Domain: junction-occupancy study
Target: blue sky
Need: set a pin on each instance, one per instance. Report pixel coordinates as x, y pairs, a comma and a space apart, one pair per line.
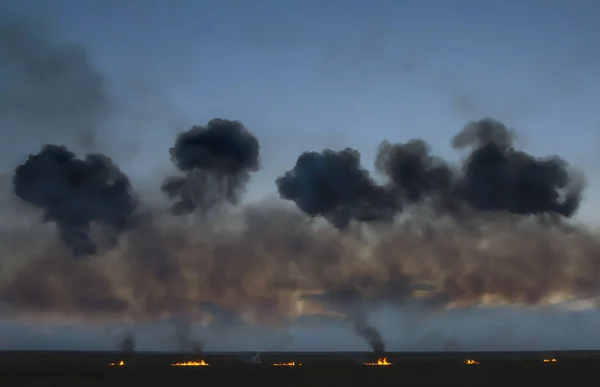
313, 74
305, 75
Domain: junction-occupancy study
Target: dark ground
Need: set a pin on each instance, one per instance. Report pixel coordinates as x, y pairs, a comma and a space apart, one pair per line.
83, 369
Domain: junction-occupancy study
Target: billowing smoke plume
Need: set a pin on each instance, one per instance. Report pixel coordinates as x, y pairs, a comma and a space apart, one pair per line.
334, 185
278, 265
76, 192
217, 160
414, 175
499, 178
494, 178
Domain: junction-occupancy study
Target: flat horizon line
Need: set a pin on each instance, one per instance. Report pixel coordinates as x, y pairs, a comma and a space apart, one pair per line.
141, 352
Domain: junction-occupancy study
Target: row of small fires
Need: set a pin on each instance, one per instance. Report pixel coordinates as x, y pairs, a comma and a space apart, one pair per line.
380, 362
202, 363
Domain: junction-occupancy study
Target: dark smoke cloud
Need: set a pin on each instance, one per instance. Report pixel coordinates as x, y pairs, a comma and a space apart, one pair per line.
74, 193
500, 178
334, 185
217, 160
48, 91
414, 175
494, 178
277, 265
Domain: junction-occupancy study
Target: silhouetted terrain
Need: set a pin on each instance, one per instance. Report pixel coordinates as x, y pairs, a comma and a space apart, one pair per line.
50, 368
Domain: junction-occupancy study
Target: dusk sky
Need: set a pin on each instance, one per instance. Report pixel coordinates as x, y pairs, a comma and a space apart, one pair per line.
309, 75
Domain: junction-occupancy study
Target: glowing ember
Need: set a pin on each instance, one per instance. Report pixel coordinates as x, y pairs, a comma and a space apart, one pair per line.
119, 364
200, 363
471, 362
553, 360
379, 362
287, 364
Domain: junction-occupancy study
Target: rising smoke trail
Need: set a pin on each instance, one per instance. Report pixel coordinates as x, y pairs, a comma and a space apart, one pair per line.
127, 343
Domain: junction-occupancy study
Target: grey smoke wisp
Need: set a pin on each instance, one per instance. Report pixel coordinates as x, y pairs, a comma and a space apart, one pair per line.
127, 343
49, 91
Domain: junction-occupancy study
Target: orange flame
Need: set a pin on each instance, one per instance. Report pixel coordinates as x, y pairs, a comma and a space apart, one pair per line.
380, 362
287, 364
553, 360
200, 363
119, 364
471, 362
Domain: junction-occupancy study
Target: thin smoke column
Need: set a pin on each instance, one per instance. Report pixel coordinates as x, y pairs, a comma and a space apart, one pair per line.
217, 160
183, 337
127, 343
371, 334
76, 192
355, 305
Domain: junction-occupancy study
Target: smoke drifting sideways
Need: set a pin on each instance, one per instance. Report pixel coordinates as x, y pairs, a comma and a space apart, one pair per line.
217, 160
495, 177
74, 193
280, 265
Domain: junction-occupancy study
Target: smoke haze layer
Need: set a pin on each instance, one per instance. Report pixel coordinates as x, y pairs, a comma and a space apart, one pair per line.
49, 91
424, 231
271, 264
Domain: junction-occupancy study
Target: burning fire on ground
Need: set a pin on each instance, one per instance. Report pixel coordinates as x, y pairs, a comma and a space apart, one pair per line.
119, 364
553, 360
379, 362
200, 363
471, 362
287, 364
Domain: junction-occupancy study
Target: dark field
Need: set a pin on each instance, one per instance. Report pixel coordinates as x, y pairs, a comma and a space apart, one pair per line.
318, 369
